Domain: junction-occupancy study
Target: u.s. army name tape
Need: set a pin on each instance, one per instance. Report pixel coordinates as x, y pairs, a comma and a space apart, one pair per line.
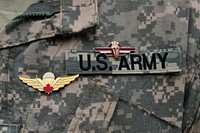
123, 60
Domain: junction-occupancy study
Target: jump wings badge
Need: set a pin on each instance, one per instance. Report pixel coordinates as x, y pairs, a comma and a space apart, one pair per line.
48, 83
114, 50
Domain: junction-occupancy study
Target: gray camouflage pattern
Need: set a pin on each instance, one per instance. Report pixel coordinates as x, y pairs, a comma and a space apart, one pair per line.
102, 103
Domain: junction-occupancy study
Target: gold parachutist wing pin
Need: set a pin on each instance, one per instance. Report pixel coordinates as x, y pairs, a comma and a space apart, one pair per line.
48, 83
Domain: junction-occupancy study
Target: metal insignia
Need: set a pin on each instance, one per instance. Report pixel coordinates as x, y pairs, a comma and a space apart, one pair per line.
48, 83
114, 50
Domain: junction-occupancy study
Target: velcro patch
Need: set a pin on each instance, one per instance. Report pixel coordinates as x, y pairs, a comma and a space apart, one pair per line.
128, 61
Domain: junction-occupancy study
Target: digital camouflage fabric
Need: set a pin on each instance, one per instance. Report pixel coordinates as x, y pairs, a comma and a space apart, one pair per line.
38, 41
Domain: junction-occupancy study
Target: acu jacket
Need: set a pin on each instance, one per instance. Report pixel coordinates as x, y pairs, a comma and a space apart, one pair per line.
130, 92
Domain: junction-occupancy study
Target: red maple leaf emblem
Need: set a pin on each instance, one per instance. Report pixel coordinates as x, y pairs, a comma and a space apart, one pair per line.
48, 89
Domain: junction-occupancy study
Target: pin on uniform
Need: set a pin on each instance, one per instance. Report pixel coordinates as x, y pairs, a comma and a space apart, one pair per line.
48, 83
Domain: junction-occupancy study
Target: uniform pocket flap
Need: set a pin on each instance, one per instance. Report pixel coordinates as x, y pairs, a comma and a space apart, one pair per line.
65, 19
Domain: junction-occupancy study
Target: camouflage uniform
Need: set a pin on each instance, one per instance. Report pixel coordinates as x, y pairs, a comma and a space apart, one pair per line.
37, 41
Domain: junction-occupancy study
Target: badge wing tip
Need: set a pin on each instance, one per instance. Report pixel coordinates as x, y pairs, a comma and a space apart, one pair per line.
35, 83
62, 81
